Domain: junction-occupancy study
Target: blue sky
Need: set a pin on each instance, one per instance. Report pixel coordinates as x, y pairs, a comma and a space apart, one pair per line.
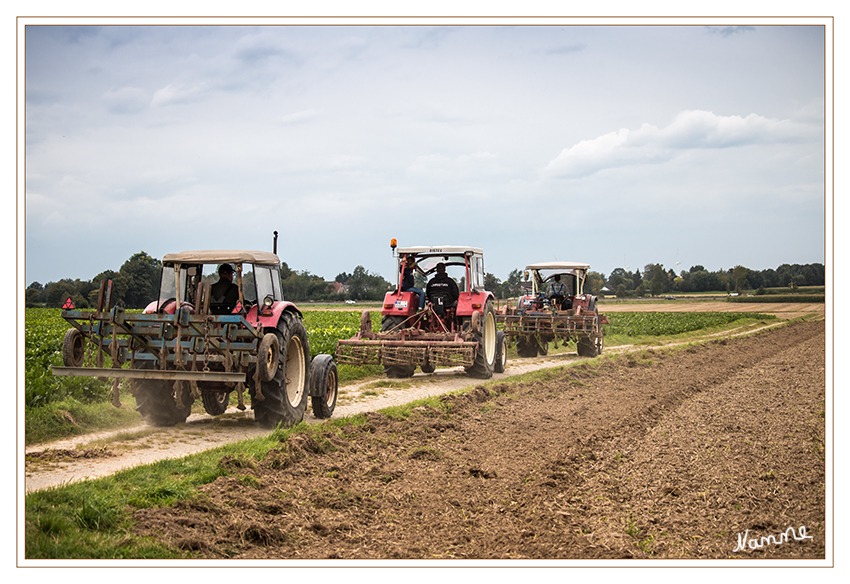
618, 146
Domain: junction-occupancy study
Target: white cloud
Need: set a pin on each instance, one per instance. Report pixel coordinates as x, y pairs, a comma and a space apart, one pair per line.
690, 130
176, 94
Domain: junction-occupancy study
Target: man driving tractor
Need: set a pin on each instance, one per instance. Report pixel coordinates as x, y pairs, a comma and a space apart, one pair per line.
442, 291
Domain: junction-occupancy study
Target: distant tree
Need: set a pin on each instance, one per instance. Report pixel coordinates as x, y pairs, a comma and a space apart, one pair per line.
657, 279
493, 284
34, 293
302, 285
342, 277
594, 283
739, 278
364, 285
620, 276
141, 276
58, 292
32, 297
621, 291
636, 279
513, 285
285, 272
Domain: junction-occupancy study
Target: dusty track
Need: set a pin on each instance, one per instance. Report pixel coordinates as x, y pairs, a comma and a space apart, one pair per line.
97, 455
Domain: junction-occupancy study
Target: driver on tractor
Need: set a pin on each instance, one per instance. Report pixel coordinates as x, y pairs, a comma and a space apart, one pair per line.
442, 291
224, 294
557, 292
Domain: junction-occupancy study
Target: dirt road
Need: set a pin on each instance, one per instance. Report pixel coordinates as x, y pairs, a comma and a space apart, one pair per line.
709, 451
97, 455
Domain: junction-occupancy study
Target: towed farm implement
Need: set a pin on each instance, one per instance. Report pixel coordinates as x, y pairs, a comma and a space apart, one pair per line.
554, 308
455, 326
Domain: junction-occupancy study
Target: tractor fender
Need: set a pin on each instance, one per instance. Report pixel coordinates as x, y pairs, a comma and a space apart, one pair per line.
399, 304
269, 317
470, 302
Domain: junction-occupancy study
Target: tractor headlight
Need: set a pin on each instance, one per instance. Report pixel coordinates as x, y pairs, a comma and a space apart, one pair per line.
268, 301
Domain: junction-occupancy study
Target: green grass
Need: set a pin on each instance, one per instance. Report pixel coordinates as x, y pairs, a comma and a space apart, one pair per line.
71, 417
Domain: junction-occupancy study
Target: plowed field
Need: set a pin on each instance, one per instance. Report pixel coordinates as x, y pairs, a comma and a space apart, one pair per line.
701, 451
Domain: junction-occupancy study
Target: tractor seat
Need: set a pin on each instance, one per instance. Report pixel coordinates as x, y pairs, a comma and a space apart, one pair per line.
442, 303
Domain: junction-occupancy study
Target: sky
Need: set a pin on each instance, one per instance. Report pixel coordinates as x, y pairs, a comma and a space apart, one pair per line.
618, 146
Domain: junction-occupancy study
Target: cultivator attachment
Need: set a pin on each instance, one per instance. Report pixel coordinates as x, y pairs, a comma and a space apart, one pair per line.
560, 326
184, 346
393, 350
406, 345
532, 331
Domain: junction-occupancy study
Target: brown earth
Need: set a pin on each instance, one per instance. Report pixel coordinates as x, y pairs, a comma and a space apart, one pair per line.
663, 453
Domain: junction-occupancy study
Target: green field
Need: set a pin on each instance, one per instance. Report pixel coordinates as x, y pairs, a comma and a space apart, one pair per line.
62, 406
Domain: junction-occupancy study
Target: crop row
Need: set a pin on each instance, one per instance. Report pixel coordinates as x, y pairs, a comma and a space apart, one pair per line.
639, 324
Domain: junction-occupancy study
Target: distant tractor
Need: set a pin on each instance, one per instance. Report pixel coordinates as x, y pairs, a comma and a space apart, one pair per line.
555, 307
447, 332
189, 344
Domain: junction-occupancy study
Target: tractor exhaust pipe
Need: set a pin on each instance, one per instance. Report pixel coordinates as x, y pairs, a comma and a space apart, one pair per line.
274, 248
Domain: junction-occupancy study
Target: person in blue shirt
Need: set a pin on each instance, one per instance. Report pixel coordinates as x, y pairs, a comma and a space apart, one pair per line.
407, 282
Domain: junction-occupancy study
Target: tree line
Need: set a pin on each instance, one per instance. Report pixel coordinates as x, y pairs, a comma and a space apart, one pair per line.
136, 283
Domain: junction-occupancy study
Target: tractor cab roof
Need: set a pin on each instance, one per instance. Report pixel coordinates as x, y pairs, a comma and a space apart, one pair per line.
440, 250
566, 266
221, 256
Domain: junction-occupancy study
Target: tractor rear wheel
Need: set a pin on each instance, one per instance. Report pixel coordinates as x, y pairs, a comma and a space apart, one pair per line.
324, 386
501, 352
157, 402
389, 323
485, 358
285, 395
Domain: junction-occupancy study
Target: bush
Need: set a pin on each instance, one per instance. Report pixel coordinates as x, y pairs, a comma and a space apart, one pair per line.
777, 298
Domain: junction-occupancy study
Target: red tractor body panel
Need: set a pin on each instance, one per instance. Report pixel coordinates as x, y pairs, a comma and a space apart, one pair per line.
269, 317
400, 303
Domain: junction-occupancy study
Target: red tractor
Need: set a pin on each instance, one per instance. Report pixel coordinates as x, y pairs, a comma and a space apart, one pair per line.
449, 330
191, 344
555, 307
